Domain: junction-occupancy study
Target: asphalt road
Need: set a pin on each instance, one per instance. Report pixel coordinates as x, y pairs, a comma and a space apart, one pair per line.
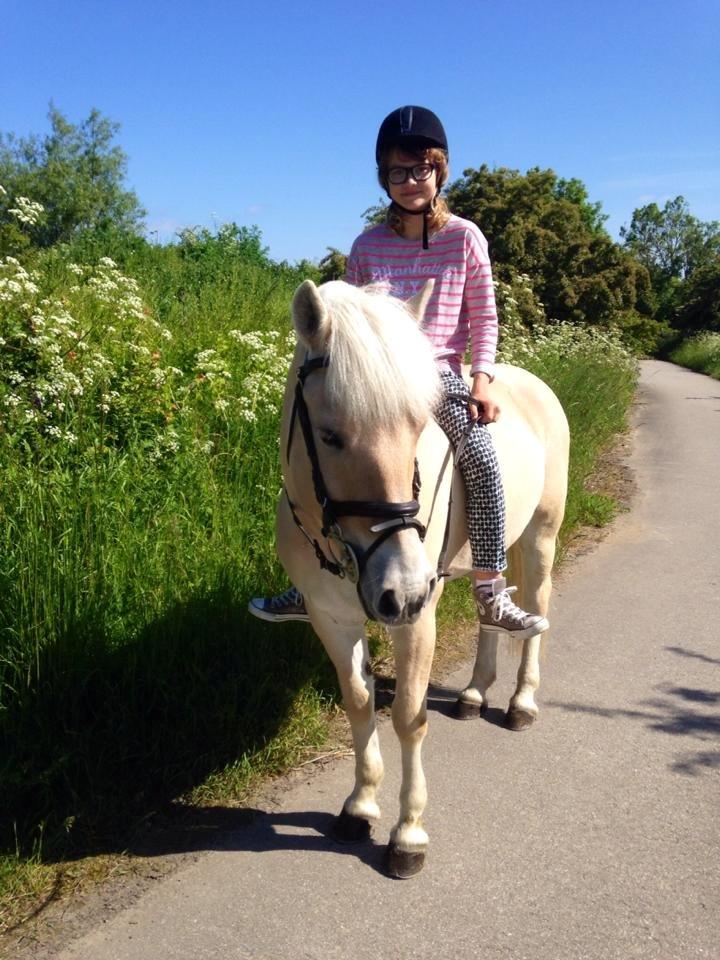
594, 836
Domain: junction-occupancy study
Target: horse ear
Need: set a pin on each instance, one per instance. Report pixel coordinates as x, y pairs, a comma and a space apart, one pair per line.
310, 316
417, 304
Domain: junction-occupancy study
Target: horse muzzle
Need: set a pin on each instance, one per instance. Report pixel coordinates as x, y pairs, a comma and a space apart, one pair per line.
394, 591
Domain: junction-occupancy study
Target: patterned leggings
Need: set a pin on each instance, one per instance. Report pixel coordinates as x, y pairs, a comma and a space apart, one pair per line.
481, 473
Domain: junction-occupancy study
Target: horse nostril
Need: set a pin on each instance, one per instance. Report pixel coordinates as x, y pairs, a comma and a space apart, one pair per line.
388, 605
431, 587
416, 606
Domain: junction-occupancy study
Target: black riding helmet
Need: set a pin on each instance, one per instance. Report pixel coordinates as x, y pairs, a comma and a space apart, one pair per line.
413, 127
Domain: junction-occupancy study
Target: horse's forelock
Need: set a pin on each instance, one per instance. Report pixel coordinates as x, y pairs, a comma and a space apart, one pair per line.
381, 365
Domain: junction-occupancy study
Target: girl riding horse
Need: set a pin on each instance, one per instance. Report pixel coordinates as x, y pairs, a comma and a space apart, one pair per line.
422, 240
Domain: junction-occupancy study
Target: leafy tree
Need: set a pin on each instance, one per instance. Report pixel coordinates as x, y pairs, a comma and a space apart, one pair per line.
229, 241
376, 214
575, 191
671, 242
700, 299
75, 172
547, 229
674, 245
332, 266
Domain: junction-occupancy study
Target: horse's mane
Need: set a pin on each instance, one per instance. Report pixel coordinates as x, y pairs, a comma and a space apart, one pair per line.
381, 365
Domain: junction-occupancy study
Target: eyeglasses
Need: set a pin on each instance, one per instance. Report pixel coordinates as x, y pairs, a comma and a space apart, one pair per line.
419, 172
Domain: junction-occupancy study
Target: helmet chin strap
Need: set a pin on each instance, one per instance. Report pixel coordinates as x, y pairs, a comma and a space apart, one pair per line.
417, 213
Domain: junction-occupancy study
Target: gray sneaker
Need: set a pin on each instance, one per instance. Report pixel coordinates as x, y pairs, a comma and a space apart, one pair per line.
496, 611
286, 606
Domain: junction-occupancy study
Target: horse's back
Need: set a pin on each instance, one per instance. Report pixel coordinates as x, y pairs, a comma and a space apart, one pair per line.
523, 394
531, 440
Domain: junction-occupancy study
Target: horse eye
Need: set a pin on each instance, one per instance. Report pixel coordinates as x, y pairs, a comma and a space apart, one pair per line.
331, 439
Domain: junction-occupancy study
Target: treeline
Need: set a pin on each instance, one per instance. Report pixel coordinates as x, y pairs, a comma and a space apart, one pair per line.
661, 282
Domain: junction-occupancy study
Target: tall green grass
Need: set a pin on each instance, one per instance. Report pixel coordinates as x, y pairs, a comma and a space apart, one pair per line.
700, 353
136, 518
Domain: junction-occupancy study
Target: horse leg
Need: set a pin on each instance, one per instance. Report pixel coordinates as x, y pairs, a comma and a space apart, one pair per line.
532, 566
347, 647
472, 702
414, 647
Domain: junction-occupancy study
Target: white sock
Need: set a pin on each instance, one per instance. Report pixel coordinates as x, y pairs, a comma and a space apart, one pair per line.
486, 586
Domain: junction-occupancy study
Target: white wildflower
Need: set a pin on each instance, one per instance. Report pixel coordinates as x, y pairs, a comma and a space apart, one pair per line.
27, 211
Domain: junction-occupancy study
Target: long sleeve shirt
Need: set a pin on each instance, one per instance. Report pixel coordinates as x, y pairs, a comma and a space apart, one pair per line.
462, 305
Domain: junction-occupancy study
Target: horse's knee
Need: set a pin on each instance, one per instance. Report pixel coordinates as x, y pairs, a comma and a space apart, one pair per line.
357, 696
357, 708
409, 725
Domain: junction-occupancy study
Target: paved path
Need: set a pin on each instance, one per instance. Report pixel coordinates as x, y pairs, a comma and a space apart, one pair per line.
592, 837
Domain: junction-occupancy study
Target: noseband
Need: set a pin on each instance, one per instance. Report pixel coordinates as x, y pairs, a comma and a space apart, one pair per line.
349, 560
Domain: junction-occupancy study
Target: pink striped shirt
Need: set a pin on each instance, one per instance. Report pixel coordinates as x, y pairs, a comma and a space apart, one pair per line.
463, 300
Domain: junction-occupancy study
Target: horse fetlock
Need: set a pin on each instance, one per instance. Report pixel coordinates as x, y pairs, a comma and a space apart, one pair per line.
362, 806
524, 702
350, 829
471, 695
470, 705
409, 838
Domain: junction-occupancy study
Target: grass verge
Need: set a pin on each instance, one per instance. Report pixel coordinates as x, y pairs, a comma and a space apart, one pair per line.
700, 353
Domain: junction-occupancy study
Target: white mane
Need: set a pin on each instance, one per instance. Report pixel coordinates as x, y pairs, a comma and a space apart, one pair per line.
381, 365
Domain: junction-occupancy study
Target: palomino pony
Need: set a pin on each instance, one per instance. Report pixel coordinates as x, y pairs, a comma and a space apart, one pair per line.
360, 538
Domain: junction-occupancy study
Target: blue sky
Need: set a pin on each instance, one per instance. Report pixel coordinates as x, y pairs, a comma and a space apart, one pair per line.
266, 113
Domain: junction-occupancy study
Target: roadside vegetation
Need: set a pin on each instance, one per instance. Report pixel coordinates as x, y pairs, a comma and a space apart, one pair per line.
700, 353
139, 399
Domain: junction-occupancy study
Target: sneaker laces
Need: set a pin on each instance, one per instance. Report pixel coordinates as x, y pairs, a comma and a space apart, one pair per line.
291, 598
502, 606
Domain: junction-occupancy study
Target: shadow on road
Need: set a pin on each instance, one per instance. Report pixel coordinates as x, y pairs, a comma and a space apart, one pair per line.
192, 829
678, 711
681, 652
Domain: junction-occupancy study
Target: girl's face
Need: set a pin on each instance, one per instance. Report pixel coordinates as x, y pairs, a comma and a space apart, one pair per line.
413, 194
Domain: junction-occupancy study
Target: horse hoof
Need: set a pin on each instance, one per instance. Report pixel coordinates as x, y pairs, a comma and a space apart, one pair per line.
519, 720
464, 710
401, 864
350, 829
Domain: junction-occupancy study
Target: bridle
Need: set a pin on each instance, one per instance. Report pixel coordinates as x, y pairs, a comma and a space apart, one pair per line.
347, 560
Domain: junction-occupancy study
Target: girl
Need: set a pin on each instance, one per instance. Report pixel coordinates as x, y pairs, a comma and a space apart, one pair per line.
422, 239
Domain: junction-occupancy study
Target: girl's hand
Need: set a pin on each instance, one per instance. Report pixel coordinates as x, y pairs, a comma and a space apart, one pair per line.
482, 391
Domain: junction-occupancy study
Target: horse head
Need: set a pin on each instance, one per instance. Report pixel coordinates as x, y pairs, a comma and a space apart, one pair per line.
367, 383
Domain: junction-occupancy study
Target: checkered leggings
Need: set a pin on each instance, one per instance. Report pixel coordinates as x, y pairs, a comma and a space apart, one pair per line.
481, 473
